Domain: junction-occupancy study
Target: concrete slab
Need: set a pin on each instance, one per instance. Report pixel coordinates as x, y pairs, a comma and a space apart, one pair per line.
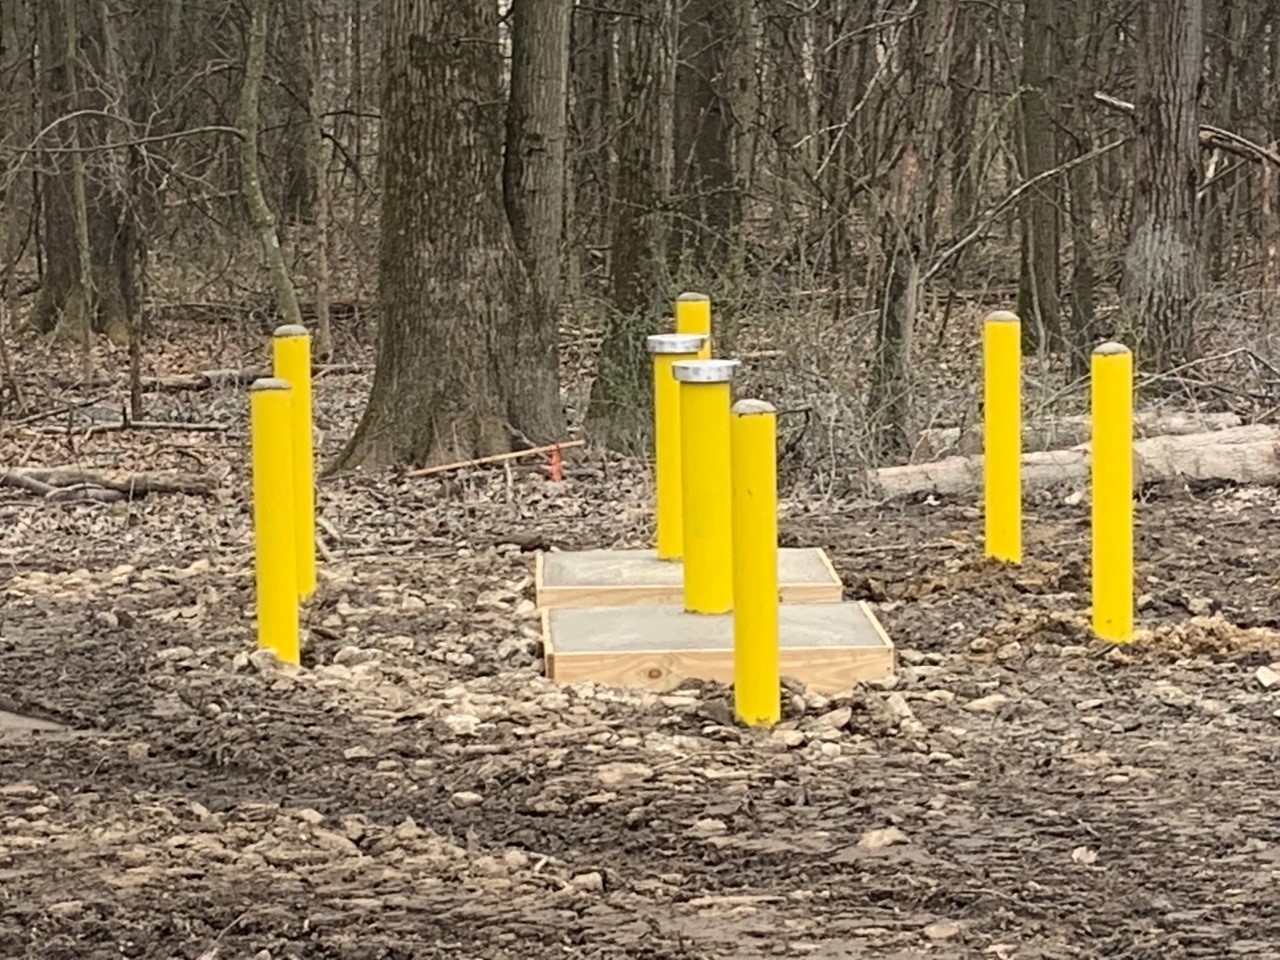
623, 578
829, 646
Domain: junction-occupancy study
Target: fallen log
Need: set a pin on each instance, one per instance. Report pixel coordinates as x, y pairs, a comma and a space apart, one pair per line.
1247, 454
223, 379
48, 480
1070, 431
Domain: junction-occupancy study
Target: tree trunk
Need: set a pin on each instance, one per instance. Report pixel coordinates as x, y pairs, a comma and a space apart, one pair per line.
1077, 24
299, 164
534, 193
74, 296
703, 184
451, 286
1160, 284
260, 215
1038, 285
618, 414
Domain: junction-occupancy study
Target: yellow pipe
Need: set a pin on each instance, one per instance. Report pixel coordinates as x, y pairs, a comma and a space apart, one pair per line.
668, 350
271, 417
705, 396
693, 316
1002, 433
757, 699
1112, 402
292, 348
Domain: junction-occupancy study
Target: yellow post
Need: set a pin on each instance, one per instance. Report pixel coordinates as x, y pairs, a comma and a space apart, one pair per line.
693, 316
293, 364
1112, 401
1002, 435
271, 418
667, 350
757, 698
705, 397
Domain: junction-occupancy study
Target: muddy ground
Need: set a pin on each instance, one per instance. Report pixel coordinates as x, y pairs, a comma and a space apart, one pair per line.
419, 790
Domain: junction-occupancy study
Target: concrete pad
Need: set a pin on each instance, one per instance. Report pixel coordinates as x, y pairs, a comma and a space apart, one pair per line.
623, 578
829, 646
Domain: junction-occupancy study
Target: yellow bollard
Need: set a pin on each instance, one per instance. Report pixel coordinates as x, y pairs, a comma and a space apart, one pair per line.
1112, 402
693, 316
757, 698
271, 416
667, 350
1002, 435
292, 348
705, 397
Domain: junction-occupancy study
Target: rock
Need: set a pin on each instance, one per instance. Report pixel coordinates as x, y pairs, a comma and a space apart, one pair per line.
1199, 606
307, 815
1090, 704
462, 724
1268, 676
988, 704
138, 751
357, 753
836, 719
264, 661
516, 859
466, 798
592, 882
899, 709
709, 826
349, 656
623, 774
983, 645
1084, 855
66, 909
789, 738
412, 604
1009, 651
912, 657
879, 839
408, 829
944, 930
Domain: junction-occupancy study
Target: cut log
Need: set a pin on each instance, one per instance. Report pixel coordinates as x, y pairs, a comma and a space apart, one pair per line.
1070, 431
1247, 454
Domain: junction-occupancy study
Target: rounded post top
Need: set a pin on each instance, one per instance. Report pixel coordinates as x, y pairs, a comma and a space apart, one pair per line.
753, 408
706, 371
269, 383
675, 343
1002, 316
1110, 349
291, 330
689, 297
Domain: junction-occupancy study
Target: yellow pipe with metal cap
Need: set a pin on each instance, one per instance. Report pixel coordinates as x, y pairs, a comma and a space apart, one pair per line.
271, 424
1112, 406
693, 316
667, 350
1002, 435
292, 350
757, 697
705, 398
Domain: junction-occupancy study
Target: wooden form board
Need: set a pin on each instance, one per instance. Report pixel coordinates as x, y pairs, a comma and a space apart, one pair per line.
623, 578
829, 647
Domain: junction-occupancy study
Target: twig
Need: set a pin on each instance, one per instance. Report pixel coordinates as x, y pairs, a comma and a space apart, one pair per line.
1210, 136
140, 425
66, 408
495, 458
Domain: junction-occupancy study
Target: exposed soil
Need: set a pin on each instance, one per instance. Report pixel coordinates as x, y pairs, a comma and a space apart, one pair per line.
419, 790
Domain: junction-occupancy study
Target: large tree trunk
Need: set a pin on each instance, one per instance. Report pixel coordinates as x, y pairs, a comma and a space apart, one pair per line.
1038, 286
534, 191
620, 397
451, 286
1160, 285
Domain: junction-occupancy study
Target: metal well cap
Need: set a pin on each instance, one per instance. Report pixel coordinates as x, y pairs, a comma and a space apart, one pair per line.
1003, 316
1110, 349
689, 296
675, 343
706, 371
752, 408
291, 330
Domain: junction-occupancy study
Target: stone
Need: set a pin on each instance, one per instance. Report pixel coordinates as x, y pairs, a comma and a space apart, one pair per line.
623, 774
983, 645
899, 709
879, 839
709, 826
988, 704
264, 660
789, 738
1268, 676
836, 719
357, 753
592, 882
944, 930
466, 798
1009, 651
349, 656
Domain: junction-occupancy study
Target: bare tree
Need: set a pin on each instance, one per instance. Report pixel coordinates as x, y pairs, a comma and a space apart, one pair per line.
1160, 284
